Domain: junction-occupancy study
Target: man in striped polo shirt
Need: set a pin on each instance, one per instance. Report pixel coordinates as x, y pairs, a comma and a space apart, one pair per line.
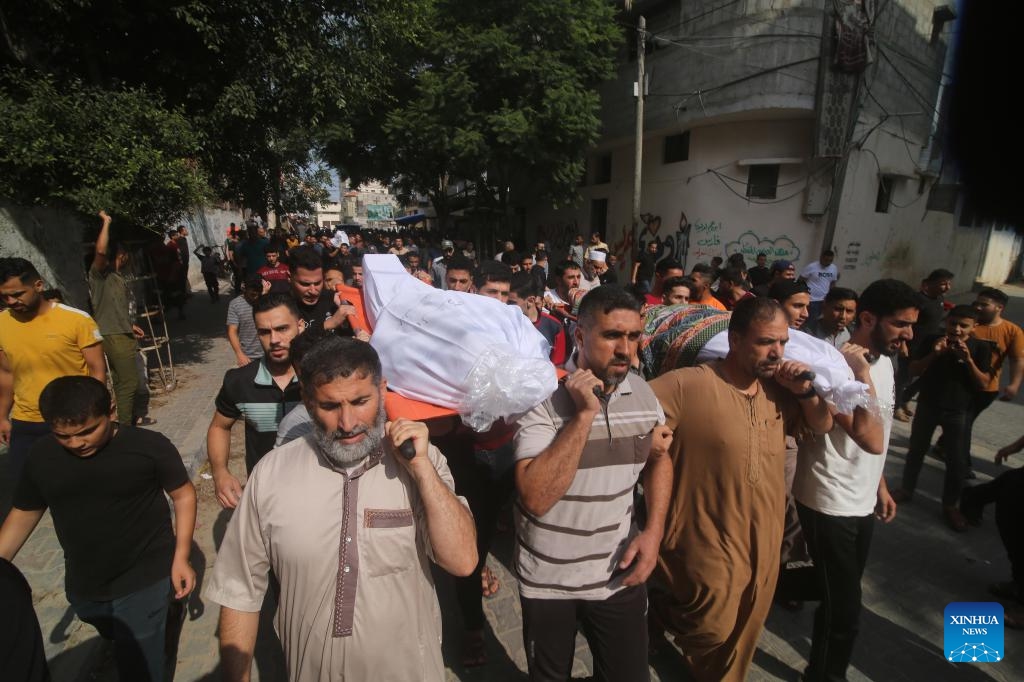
260, 393
580, 553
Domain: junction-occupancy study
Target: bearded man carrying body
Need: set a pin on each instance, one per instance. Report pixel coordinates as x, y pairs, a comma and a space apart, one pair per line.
344, 491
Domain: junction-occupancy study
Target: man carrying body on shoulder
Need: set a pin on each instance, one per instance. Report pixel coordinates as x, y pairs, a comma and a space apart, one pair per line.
665, 269
839, 485
525, 293
579, 456
701, 276
260, 393
104, 485
731, 287
39, 341
346, 494
317, 307
719, 560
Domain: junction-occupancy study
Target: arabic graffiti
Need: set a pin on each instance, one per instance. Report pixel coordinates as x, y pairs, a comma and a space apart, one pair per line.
674, 246
750, 244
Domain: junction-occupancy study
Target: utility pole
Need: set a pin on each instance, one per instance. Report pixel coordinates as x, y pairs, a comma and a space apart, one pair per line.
638, 146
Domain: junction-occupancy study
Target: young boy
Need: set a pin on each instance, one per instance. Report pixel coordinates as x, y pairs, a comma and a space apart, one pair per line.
953, 369
526, 294
210, 266
104, 484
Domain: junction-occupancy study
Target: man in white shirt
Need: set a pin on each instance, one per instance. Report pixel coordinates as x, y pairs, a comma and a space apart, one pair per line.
839, 487
820, 276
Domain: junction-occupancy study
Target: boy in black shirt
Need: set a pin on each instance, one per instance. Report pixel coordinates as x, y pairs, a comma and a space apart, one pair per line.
953, 368
104, 483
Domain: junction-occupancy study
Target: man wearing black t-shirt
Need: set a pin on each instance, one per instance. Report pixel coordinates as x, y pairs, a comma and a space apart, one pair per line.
104, 485
643, 268
953, 369
317, 306
259, 393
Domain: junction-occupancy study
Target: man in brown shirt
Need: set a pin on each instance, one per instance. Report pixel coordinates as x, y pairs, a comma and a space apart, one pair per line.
720, 555
344, 491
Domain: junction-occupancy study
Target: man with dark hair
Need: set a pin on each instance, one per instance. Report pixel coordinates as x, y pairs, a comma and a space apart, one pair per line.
525, 293
113, 303
297, 423
274, 271
317, 307
780, 270
792, 295
260, 393
492, 279
39, 341
104, 485
720, 558
820, 276
931, 303
459, 275
759, 274
840, 485
643, 267
837, 314
667, 268
731, 287
1007, 341
676, 291
252, 251
953, 368
439, 266
379, 517
560, 299
241, 330
596, 434
702, 275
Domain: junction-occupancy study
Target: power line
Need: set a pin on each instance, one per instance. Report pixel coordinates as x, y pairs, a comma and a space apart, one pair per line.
698, 16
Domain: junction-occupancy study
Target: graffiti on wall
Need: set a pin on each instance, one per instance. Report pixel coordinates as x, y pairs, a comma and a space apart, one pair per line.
672, 245
750, 244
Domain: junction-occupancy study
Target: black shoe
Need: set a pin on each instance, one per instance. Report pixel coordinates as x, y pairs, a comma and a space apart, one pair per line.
970, 475
971, 510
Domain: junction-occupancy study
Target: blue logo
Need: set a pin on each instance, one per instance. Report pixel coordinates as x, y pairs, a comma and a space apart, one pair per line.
974, 632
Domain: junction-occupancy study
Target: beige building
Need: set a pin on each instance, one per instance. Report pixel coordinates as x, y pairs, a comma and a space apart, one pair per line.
754, 141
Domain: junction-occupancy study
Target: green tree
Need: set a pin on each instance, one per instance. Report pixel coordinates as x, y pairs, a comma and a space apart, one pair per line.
500, 94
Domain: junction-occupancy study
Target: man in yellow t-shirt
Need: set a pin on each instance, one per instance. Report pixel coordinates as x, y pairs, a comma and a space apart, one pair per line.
39, 341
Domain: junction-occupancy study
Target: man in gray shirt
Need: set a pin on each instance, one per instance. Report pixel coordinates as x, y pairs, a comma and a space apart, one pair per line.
241, 328
837, 313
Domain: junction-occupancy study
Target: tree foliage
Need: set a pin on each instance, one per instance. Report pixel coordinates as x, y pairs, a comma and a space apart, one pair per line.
261, 83
499, 93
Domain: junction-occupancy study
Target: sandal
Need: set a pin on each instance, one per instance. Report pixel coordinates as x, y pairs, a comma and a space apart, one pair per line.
474, 650
489, 583
145, 421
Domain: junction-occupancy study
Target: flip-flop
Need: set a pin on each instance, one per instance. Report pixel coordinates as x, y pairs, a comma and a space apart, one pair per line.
489, 583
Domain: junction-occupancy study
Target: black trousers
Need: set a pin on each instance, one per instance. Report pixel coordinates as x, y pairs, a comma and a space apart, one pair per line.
212, 285
839, 546
486, 489
956, 436
1007, 493
616, 630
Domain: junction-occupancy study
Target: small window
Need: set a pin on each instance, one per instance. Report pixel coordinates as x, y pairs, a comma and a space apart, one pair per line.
603, 169
677, 147
884, 198
763, 181
598, 215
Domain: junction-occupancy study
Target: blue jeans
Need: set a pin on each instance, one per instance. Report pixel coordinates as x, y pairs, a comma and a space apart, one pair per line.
137, 624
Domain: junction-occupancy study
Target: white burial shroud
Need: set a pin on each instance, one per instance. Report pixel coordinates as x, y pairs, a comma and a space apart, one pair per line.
833, 378
463, 351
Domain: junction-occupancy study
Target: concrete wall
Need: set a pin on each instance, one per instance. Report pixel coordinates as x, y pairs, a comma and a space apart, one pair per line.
696, 214
207, 226
52, 241
1002, 256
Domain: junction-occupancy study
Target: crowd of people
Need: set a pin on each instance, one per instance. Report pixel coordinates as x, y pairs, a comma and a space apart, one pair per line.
675, 507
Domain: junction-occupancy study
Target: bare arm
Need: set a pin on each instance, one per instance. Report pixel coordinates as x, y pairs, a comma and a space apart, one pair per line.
183, 578
632, 275
100, 260
815, 409
237, 643
862, 426
218, 448
1016, 376
95, 361
449, 524
6, 397
17, 528
543, 480
236, 346
1014, 447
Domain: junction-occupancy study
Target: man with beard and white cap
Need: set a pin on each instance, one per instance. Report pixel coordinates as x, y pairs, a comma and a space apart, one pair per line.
346, 491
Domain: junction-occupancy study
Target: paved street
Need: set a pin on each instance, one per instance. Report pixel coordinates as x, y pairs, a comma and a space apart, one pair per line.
917, 565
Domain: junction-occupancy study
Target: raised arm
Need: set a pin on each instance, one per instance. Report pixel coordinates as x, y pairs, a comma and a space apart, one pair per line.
100, 260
